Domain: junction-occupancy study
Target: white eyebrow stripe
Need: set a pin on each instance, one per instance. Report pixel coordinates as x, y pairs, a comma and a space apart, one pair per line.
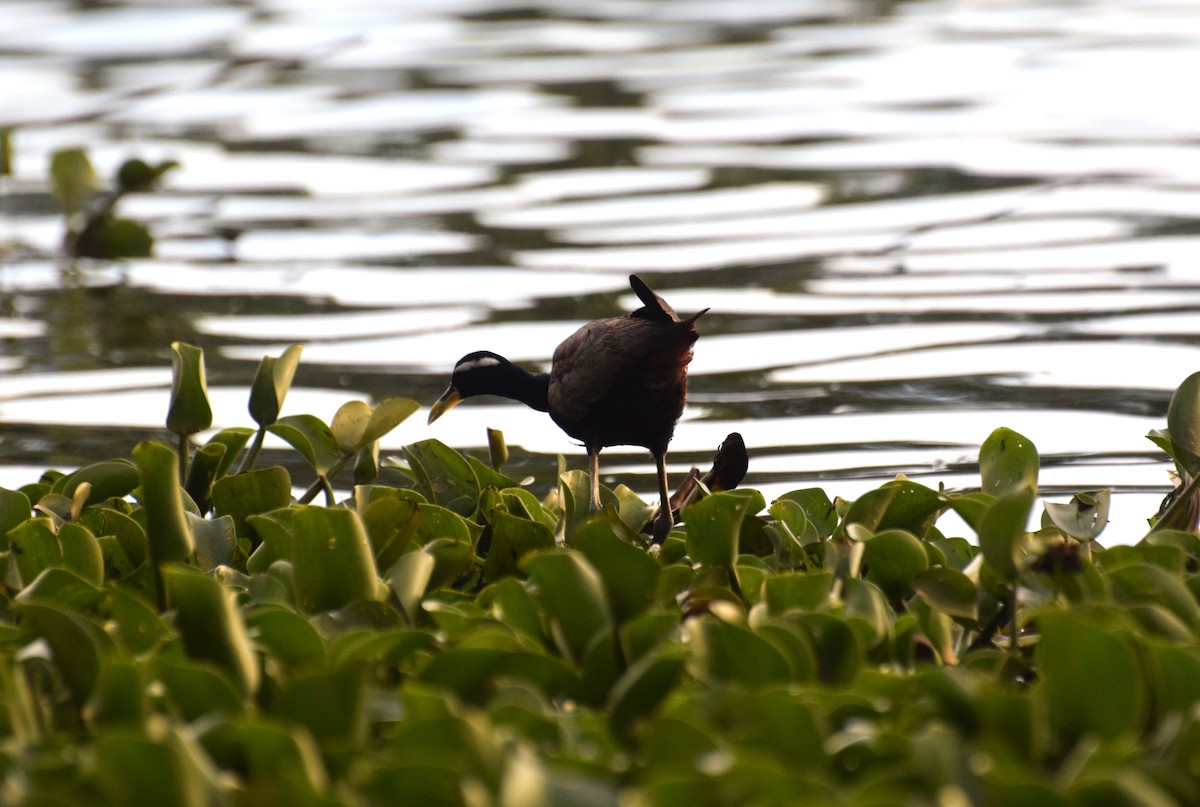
486, 361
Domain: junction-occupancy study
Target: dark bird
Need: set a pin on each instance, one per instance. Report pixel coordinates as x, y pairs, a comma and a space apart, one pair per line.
614, 382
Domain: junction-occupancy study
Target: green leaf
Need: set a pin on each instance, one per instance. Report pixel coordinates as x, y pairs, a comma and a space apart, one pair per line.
349, 425
387, 415
251, 493
894, 558
136, 175
107, 238
1084, 517
289, 637
210, 626
724, 653
62, 587
949, 591
81, 552
799, 592
216, 541
409, 580
1144, 582
1091, 679
311, 437
1183, 424
629, 574
572, 594
78, 645
443, 476
109, 479
72, 178
1002, 533
34, 547
135, 768
713, 526
169, 536
332, 559
1008, 462
190, 410
15, 508
139, 627
512, 539
497, 449
818, 509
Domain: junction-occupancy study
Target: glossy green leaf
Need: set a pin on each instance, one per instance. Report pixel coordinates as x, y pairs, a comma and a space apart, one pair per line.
34, 547
443, 476
949, 591
713, 528
387, 415
391, 524
210, 626
311, 437
349, 424
1008, 463
111, 478
190, 411
64, 588
1002, 533
893, 558
81, 552
1183, 423
332, 559
818, 510
512, 539
15, 508
1084, 517
168, 534
251, 493
272, 380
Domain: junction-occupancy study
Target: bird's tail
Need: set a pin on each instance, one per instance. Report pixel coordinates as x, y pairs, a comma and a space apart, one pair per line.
655, 307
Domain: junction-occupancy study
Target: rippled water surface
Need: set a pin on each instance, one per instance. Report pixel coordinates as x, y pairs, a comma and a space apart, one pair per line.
913, 221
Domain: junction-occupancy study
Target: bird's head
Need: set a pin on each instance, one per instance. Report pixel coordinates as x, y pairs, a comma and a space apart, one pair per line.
478, 373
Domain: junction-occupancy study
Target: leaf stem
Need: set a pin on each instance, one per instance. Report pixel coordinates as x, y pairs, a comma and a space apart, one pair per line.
252, 452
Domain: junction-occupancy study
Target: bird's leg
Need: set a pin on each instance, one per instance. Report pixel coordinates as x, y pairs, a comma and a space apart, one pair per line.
662, 526
594, 458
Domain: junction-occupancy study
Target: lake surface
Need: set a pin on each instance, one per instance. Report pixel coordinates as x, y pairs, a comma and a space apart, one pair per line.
913, 222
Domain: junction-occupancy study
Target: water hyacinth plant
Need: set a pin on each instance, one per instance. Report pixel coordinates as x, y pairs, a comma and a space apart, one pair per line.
177, 628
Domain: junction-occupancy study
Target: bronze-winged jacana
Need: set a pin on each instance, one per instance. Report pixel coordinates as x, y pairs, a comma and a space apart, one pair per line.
620, 381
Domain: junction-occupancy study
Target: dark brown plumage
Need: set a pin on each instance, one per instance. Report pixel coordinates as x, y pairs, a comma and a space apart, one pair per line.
615, 381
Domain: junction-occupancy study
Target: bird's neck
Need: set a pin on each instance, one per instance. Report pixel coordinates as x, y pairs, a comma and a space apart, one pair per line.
528, 388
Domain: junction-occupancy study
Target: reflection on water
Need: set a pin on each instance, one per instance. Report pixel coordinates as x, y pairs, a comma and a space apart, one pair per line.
913, 222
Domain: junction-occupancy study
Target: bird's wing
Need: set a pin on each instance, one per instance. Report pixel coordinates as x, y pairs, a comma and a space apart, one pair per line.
597, 357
